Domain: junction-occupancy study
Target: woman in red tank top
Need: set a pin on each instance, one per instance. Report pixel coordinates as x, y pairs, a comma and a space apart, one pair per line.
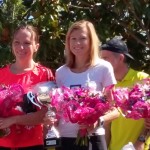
26, 131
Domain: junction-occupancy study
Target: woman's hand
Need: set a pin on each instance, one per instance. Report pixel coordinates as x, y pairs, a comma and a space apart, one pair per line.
89, 128
7, 122
49, 121
108, 92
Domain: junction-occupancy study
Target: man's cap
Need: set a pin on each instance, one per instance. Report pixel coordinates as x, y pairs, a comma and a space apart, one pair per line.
118, 46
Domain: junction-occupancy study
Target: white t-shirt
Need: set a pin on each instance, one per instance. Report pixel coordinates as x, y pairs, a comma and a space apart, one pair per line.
101, 74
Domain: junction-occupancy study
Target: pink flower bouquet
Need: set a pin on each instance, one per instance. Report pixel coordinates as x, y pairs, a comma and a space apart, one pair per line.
10, 100
79, 105
134, 102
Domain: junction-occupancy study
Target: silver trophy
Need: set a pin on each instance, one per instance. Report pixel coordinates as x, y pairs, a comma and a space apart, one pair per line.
40, 97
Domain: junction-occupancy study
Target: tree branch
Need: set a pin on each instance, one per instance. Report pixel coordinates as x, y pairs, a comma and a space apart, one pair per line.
133, 35
28, 10
79, 7
145, 28
86, 5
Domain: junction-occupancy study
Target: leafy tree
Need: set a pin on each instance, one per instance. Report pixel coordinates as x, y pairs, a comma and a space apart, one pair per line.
8, 20
129, 19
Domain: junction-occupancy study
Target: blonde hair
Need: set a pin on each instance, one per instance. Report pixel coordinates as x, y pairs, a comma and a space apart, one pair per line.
94, 42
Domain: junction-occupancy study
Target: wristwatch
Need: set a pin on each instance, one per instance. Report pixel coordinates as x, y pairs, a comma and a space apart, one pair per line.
141, 138
101, 121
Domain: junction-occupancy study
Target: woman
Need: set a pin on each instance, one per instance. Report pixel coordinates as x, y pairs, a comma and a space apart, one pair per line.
25, 130
83, 66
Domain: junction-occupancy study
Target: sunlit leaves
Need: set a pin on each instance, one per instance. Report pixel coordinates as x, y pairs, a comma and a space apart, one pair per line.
128, 18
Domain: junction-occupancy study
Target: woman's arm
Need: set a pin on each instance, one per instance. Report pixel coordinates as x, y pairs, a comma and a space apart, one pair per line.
111, 115
27, 119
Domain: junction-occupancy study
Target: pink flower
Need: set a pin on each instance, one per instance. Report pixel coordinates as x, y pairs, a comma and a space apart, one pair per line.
10, 103
134, 101
10, 98
80, 105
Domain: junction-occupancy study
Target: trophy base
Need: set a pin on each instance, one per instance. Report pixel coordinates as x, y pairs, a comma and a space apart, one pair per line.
52, 142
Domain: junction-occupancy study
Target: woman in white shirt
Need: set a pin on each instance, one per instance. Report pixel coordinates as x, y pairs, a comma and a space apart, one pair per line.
83, 65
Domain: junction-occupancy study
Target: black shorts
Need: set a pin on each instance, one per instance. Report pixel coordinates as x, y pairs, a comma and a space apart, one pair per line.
70, 144
98, 142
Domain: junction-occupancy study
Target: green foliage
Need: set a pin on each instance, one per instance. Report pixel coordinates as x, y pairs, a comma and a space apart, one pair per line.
129, 19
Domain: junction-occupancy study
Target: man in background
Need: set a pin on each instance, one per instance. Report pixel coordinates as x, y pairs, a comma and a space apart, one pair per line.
123, 130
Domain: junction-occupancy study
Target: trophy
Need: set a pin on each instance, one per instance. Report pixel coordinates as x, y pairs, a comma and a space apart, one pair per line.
40, 97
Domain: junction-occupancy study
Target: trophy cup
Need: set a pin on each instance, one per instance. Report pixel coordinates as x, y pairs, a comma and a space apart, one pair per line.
41, 94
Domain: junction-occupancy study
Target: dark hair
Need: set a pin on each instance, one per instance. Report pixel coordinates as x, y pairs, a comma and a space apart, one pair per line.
31, 29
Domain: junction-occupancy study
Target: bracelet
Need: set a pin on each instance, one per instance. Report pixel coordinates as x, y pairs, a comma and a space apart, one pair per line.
142, 138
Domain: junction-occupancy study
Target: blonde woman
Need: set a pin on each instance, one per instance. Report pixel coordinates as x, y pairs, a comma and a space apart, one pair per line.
83, 66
